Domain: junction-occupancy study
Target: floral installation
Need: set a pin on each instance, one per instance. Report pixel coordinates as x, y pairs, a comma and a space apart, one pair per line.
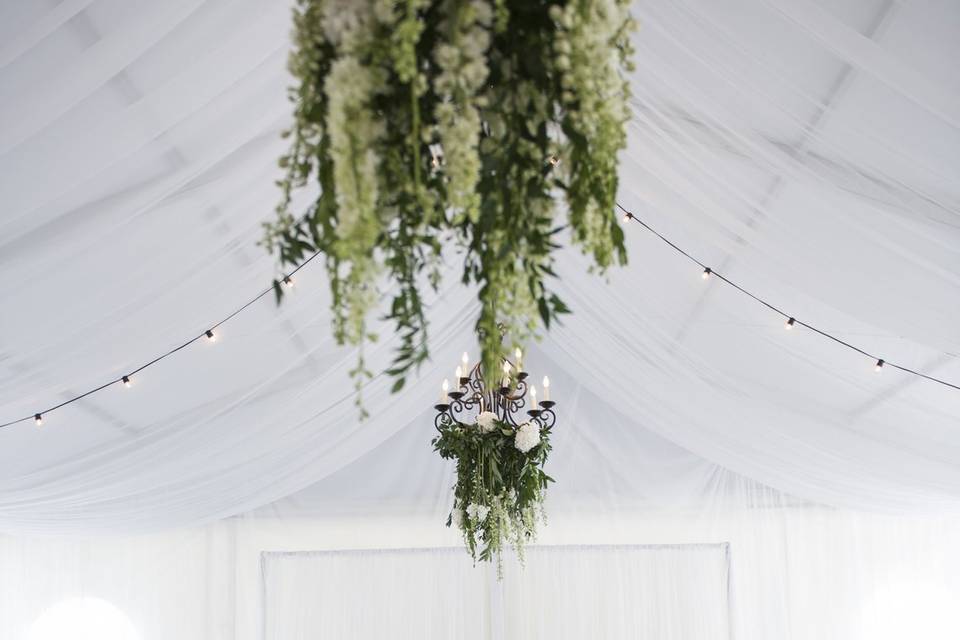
498, 496
485, 125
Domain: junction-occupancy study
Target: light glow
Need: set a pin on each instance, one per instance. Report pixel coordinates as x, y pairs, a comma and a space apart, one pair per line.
82, 619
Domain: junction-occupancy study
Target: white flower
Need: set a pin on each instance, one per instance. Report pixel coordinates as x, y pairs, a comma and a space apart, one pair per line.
487, 421
456, 517
528, 436
477, 512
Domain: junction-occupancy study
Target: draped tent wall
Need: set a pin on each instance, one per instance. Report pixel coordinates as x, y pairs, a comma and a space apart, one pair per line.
807, 150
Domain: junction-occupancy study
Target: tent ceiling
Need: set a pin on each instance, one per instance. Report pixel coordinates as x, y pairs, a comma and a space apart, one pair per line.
807, 150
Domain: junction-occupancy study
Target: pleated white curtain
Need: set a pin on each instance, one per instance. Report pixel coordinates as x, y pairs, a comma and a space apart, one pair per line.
766, 568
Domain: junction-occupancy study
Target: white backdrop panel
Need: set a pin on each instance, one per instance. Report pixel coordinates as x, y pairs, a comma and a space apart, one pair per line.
669, 592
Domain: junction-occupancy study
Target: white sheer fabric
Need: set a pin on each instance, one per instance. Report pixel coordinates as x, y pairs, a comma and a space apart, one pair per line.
797, 572
804, 150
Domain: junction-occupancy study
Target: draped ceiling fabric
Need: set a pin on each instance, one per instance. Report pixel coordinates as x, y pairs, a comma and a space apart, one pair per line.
807, 150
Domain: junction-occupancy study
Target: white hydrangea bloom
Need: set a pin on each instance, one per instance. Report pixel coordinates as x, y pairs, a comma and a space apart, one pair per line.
487, 421
527, 437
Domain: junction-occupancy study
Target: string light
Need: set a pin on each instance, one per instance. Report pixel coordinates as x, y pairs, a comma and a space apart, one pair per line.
627, 216
791, 321
209, 334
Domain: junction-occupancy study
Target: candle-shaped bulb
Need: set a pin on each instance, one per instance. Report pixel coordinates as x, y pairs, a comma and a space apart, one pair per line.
533, 396
459, 374
444, 388
546, 388
517, 352
465, 359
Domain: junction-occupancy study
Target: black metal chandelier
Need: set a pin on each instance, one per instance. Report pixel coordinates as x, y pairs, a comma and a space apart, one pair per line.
507, 398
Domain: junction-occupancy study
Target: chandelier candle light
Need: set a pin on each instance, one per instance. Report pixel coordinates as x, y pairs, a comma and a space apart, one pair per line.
500, 443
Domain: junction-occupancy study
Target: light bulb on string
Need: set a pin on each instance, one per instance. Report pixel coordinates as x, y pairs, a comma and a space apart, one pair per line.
211, 336
706, 273
38, 419
879, 366
626, 216
790, 323
126, 381
288, 281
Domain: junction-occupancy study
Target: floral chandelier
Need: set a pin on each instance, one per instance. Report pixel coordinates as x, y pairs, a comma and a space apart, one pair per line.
506, 399
499, 435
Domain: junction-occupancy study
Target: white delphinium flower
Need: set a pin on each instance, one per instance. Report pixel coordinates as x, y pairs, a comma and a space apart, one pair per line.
527, 437
463, 70
456, 517
477, 512
487, 421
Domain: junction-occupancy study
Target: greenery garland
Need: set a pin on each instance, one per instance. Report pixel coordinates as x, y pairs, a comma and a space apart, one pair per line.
467, 122
500, 485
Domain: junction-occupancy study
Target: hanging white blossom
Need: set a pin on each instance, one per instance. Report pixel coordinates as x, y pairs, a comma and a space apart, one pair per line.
477, 512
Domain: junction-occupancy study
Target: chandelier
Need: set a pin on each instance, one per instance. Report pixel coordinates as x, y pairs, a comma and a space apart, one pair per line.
505, 395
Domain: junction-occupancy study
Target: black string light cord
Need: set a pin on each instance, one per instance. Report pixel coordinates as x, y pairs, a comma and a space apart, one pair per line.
791, 321
207, 333
628, 216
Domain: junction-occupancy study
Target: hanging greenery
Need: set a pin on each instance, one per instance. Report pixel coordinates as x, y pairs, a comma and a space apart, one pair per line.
500, 485
453, 122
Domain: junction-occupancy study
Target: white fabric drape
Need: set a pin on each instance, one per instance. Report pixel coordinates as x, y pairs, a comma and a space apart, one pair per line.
806, 152
797, 572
